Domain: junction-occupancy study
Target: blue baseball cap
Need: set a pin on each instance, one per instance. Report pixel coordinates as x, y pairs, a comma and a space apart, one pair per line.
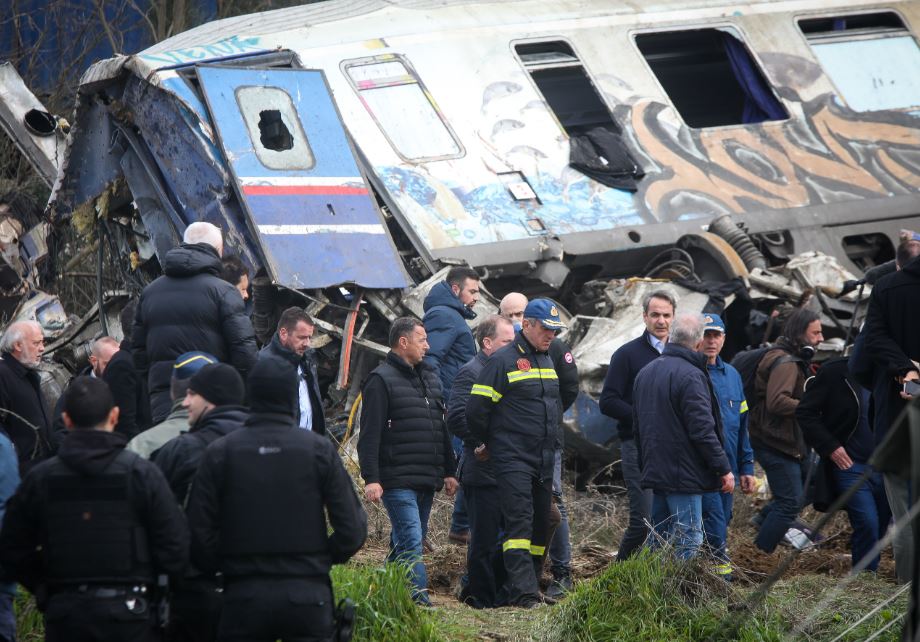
714, 322
189, 363
546, 312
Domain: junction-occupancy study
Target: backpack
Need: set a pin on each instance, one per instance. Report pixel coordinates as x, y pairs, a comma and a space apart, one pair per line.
747, 363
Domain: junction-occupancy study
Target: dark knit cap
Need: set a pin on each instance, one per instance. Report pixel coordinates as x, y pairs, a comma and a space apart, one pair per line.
273, 387
220, 384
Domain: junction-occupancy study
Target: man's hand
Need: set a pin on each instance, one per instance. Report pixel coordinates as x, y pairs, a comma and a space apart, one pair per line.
373, 492
841, 459
481, 453
748, 484
450, 486
728, 483
913, 375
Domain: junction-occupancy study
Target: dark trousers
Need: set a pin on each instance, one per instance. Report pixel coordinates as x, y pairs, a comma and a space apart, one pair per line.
265, 609
868, 511
484, 565
525, 503
194, 611
640, 501
784, 474
82, 617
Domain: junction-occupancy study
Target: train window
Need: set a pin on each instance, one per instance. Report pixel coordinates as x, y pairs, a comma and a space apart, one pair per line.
274, 128
402, 107
734, 89
597, 147
856, 53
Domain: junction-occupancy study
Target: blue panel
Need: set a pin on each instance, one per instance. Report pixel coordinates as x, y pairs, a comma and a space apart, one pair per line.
306, 198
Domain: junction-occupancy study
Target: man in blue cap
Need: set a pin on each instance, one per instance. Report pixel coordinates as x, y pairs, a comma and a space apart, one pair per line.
514, 410
729, 391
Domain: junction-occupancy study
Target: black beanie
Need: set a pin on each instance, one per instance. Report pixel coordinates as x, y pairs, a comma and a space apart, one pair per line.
273, 387
220, 384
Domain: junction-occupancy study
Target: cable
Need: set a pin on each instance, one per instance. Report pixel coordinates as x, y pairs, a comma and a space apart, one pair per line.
885, 628
872, 612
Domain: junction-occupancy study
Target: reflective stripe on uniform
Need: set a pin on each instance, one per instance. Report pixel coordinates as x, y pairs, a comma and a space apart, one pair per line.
516, 544
534, 373
744, 406
486, 391
537, 550
722, 569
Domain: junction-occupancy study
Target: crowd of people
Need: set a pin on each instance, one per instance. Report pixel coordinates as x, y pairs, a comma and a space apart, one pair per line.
184, 485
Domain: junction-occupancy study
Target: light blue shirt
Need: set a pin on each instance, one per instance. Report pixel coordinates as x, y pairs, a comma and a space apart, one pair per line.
306, 412
656, 343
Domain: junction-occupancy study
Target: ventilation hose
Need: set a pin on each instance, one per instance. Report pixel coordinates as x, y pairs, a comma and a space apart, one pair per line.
739, 240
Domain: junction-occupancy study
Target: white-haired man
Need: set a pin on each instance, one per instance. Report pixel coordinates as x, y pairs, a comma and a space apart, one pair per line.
24, 414
190, 308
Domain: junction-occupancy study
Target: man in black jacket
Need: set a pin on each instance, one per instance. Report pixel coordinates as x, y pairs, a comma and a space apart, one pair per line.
291, 345
617, 401
114, 364
23, 411
833, 416
89, 530
404, 447
189, 308
676, 421
258, 514
514, 409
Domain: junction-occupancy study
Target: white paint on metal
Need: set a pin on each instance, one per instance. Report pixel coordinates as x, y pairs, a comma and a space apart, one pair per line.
303, 230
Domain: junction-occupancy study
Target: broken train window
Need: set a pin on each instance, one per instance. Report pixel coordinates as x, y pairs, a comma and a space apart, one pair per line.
597, 148
872, 59
274, 128
402, 107
710, 77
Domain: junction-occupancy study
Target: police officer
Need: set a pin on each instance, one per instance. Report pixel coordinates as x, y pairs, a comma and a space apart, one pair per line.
514, 410
89, 530
258, 514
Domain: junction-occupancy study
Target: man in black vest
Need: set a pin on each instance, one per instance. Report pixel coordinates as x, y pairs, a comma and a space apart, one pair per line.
212, 401
404, 448
258, 514
89, 530
291, 345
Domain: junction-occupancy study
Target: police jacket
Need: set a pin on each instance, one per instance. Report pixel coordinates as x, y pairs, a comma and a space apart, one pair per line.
258, 501
179, 457
472, 471
94, 514
514, 408
733, 408
189, 308
404, 441
20, 393
307, 370
677, 424
450, 340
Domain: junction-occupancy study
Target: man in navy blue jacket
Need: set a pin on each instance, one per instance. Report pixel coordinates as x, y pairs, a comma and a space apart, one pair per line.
617, 401
678, 428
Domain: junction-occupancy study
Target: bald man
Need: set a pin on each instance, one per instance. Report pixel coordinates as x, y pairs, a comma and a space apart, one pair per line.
560, 551
28, 422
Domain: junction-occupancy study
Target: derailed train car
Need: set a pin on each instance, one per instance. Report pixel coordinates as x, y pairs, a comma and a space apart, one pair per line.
353, 149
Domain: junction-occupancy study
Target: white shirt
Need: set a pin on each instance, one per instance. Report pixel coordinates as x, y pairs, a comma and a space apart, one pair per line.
306, 412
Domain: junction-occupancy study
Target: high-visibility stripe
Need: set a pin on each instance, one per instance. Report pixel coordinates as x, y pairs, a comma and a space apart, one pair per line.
516, 544
197, 357
486, 391
537, 550
722, 569
535, 373
744, 406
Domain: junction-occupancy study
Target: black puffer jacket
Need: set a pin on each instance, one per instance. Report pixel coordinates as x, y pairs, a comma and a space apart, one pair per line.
189, 308
404, 442
179, 457
677, 424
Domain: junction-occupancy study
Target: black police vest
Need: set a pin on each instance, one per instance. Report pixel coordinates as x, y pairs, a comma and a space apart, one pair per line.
93, 533
272, 502
413, 442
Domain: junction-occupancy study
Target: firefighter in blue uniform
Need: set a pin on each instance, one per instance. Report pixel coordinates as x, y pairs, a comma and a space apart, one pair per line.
514, 410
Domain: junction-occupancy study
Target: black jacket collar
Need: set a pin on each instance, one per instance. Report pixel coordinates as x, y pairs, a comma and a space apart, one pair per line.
698, 359
398, 362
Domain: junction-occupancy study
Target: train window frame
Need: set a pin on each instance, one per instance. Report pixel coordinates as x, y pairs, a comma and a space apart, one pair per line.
739, 34
813, 38
259, 100
410, 78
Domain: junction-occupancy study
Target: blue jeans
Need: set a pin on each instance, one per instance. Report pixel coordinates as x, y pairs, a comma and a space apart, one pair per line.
459, 520
560, 549
640, 501
867, 509
678, 518
717, 514
784, 474
7, 617
408, 510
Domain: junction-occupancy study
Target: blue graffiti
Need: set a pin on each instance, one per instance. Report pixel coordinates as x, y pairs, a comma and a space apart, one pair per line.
228, 47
